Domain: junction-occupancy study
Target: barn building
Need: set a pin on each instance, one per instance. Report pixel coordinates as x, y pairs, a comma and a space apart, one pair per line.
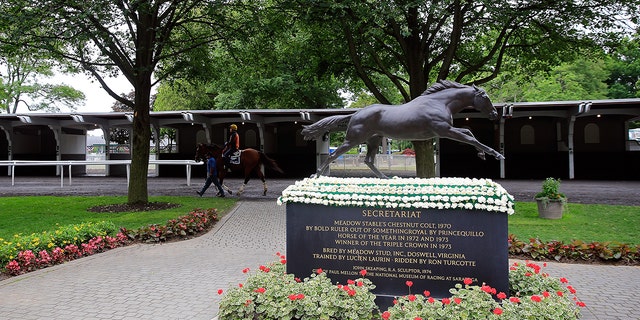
567, 139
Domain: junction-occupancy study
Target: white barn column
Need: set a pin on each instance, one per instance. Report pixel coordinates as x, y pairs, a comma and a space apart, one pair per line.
502, 162
155, 127
106, 132
436, 154
322, 152
572, 121
9, 135
260, 126
57, 131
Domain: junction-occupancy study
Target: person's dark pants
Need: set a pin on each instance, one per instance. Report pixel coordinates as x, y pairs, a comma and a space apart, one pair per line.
208, 182
227, 156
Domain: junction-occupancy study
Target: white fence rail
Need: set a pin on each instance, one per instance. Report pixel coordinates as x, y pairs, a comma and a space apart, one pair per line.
12, 164
392, 162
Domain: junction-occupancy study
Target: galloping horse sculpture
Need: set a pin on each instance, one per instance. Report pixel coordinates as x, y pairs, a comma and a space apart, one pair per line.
425, 117
250, 162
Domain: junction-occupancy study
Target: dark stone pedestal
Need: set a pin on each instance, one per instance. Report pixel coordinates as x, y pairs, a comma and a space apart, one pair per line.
434, 249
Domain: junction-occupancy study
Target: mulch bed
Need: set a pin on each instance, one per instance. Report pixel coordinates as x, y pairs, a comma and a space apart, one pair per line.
125, 207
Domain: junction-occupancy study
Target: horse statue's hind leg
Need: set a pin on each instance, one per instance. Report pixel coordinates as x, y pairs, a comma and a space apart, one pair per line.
372, 148
346, 146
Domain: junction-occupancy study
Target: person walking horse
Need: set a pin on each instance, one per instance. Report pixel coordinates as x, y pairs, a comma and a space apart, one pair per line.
232, 146
212, 176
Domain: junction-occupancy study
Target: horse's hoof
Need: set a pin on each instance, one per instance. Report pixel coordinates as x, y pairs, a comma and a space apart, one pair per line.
264, 194
230, 192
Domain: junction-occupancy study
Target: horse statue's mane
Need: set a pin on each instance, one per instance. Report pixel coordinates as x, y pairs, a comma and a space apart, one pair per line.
442, 85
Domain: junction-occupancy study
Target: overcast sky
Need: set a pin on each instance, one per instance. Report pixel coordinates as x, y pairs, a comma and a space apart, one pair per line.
96, 98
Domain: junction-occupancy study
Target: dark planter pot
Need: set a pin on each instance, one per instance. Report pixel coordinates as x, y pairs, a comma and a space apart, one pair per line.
550, 209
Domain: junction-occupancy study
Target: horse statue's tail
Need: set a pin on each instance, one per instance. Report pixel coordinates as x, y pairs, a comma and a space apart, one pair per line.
269, 163
329, 124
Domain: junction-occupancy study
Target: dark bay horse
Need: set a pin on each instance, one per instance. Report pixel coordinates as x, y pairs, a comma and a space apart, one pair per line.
251, 161
428, 116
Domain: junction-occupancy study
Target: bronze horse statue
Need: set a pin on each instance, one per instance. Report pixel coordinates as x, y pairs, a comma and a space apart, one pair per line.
428, 116
251, 161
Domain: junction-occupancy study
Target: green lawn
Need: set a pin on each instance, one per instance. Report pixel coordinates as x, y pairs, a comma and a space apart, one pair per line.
579, 222
27, 215
588, 223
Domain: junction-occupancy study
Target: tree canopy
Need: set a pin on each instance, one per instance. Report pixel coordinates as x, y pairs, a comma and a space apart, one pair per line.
413, 43
624, 81
106, 37
23, 81
271, 61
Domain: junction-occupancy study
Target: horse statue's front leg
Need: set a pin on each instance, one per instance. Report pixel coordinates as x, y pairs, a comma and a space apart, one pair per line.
264, 185
481, 154
465, 136
370, 158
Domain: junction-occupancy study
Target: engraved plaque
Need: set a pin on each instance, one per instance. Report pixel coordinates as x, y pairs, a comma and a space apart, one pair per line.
434, 249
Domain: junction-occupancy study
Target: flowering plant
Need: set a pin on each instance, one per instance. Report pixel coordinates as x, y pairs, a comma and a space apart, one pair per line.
195, 222
273, 294
433, 193
575, 250
27, 260
551, 190
75, 234
36, 251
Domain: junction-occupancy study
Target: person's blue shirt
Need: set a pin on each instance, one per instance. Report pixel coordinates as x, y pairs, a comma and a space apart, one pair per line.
211, 163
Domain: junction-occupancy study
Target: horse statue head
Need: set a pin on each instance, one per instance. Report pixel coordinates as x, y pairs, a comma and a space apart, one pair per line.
482, 103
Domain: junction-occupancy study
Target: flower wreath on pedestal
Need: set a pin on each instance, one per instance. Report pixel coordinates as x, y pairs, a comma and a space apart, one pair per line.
433, 193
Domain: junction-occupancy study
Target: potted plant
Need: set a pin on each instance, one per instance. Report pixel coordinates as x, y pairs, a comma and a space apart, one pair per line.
551, 202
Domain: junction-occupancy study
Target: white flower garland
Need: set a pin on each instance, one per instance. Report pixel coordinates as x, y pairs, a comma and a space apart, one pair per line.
401, 193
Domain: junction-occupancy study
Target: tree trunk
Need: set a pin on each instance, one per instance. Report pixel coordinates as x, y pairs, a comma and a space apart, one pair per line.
141, 135
143, 69
425, 164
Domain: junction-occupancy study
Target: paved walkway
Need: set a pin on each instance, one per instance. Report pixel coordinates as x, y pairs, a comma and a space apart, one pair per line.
177, 280
180, 280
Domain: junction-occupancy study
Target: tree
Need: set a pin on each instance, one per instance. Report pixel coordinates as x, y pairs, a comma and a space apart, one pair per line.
123, 136
271, 61
106, 37
412, 43
120, 135
624, 65
22, 76
581, 79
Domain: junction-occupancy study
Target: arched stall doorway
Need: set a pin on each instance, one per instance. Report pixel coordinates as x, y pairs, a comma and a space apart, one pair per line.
536, 148
603, 149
